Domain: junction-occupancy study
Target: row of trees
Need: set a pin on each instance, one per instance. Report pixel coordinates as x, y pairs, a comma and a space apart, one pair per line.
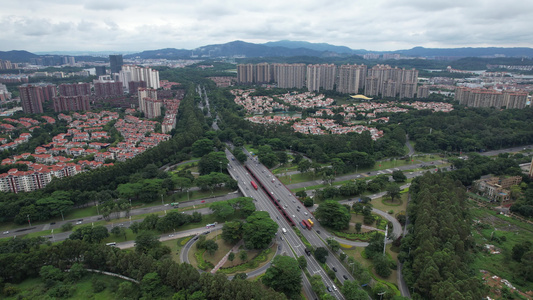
436, 253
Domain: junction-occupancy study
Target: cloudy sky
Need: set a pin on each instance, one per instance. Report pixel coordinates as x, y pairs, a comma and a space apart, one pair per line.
135, 25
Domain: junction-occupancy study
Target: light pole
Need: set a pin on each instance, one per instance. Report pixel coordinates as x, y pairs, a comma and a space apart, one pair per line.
220, 165
97, 210
356, 168
162, 203
53, 238
62, 216
29, 221
188, 195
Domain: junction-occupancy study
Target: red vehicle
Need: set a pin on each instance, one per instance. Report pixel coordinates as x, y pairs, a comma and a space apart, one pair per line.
306, 223
254, 185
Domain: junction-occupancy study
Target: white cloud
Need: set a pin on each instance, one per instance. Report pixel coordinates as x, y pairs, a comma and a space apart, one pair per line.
137, 25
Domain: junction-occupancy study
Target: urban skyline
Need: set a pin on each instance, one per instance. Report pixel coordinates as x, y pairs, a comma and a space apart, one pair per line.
381, 25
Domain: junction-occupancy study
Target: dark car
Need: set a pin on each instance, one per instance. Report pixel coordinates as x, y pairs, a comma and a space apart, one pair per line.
318, 231
334, 269
345, 277
328, 288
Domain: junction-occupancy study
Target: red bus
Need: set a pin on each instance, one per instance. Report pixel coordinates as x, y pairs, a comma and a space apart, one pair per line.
306, 223
254, 185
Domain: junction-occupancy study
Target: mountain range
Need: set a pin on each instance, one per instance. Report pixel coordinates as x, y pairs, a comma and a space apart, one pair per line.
293, 48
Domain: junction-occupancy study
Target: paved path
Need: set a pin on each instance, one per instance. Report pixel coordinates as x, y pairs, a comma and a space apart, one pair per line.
225, 258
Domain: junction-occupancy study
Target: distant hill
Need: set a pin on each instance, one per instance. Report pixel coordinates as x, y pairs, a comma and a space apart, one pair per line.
467, 52
17, 56
235, 48
314, 46
293, 49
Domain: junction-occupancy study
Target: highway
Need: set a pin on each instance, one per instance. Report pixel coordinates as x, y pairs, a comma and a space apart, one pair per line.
289, 239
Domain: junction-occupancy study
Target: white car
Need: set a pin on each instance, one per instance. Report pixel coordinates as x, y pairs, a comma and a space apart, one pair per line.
6, 232
294, 216
305, 213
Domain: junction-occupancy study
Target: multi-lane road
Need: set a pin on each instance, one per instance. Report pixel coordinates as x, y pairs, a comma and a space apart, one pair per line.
289, 240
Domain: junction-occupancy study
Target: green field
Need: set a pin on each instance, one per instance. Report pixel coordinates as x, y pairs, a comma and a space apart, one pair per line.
491, 228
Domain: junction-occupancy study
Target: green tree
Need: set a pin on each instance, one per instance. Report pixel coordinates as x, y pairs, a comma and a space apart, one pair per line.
332, 214
211, 247
317, 285
51, 275
202, 147
302, 262
284, 276
145, 241
304, 166
222, 210
358, 226
321, 254
90, 234
232, 231
381, 266
393, 191
333, 244
399, 176
259, 230
151, 286
231, 257
243, 255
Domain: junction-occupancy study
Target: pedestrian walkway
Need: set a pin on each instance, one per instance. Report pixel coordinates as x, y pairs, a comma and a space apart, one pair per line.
225, 258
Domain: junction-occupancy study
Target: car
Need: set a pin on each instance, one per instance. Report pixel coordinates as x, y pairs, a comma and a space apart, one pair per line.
281, 238
298, 206
305, 213
170, 235
78, 223
334, 269
368, 173
298, 210
53, 223
293, 216
6, 232
195, 239
334, 287
345, 277
328, 288
318, 231
203, 201
293, 201
166, 204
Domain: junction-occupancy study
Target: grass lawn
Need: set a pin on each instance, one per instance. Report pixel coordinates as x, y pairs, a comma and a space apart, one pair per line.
385, 205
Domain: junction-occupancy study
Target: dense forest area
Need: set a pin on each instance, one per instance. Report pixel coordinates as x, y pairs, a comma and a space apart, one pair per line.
467, 129
161, 278
436, 253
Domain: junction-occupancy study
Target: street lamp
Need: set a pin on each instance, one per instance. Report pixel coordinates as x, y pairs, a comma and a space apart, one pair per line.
62, 216
356, 168
29, 221
162, 203
220, 165
188, 195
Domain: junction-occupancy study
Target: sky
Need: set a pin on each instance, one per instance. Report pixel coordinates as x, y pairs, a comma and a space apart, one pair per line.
381, 25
